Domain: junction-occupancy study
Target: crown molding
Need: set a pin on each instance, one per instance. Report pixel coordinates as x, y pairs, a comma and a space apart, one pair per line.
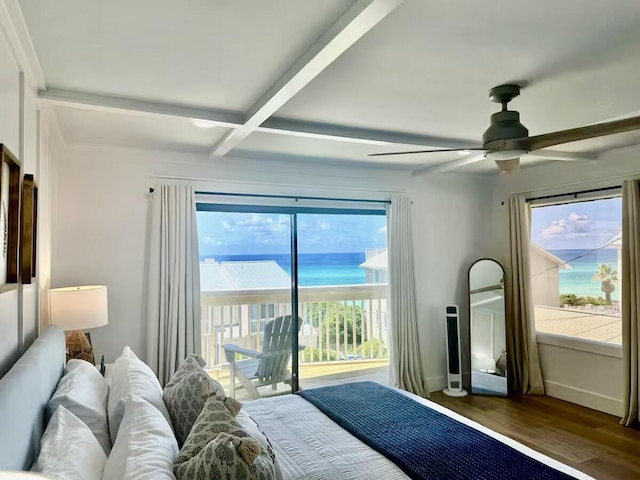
14, 29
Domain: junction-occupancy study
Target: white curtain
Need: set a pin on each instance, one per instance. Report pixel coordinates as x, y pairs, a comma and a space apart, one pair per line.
173, 314
406, 365
524, 363
631, 299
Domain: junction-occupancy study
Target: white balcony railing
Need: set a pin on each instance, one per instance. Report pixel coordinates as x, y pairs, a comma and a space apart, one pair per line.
339, 322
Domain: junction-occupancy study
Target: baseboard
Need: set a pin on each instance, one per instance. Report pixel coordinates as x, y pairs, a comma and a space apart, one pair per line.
595, 401
435, 384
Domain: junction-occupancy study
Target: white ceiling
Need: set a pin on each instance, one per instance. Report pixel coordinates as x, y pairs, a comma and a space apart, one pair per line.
418, 77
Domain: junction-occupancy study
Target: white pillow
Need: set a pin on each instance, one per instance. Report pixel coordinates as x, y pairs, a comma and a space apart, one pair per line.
127, 352
146, 446
84, 392
68, 449
131, 375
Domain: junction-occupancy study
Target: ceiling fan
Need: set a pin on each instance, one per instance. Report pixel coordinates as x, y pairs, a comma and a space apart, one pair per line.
506, 139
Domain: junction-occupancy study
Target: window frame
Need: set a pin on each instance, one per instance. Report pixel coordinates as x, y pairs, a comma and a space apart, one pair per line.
338, 208
566, 341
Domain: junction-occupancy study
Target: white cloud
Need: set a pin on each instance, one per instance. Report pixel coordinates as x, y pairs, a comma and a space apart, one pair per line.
574, 217
574, 226
323, 224
211, 241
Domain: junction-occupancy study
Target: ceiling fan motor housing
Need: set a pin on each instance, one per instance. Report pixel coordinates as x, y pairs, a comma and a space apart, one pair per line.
505, 125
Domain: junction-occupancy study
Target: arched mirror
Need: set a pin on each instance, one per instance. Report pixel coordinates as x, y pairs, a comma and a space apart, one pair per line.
488, 338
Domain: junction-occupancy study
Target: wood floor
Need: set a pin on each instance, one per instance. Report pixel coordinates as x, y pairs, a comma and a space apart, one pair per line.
590, 441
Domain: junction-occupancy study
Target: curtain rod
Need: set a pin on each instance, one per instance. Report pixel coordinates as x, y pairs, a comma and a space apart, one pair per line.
574, 194
291, 197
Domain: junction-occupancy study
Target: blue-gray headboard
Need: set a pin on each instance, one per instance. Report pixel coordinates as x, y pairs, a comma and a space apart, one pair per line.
24, 393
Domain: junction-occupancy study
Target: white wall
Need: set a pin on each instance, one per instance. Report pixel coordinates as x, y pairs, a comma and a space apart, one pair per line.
34, 140
100, 234
451, 230
590, 379
586, 374
9, 136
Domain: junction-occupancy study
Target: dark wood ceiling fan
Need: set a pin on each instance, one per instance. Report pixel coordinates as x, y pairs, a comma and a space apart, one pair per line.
506, 139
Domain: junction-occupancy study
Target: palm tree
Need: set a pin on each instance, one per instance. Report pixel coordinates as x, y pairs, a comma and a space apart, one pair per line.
609, 278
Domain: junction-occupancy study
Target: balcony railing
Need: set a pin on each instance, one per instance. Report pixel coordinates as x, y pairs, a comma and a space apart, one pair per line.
339, 322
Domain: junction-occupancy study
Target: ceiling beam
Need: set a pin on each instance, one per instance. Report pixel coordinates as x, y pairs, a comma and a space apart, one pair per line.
231, 119
92, 101
350, 27
358, 135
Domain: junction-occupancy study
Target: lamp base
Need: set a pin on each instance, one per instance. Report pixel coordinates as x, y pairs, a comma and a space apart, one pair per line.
79, 346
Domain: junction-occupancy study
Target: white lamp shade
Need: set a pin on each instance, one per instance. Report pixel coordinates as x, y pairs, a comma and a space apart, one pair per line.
77, 308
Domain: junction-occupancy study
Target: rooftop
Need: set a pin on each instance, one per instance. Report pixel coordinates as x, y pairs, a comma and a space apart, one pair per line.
377, 262
587, 324
217, 276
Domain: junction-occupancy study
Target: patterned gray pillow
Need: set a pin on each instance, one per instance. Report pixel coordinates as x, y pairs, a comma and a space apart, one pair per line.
214, 419
192, 363
185, 396
185, 399
229, 457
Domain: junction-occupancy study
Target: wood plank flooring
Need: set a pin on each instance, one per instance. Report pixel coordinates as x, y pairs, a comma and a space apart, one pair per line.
590, 441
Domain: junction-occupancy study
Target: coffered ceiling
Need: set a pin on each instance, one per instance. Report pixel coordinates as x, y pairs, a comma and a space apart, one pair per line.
333, 80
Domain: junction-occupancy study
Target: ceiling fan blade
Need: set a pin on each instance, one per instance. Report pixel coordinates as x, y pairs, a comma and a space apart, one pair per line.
564, 156
443, 167
479, 149
581, 133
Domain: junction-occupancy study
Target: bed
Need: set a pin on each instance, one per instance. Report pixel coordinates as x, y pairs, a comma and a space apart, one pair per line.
307, 443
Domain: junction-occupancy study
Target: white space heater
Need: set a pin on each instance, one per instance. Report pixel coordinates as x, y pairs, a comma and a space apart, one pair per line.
454, 362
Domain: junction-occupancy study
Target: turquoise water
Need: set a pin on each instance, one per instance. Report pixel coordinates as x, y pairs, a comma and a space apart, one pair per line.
342, 269
313, 268
579, 280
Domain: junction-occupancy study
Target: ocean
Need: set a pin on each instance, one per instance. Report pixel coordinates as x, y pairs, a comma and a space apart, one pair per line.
342, 268
578, 280
313, 268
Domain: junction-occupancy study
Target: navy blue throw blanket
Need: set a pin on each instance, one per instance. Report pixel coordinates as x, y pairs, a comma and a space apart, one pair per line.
424, 443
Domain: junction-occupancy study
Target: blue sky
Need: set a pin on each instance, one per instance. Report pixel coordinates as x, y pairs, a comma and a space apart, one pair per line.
222, 233
584, 225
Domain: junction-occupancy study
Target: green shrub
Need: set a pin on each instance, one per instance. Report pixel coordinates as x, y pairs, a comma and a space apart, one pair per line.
576, 301
365, 349
305, 355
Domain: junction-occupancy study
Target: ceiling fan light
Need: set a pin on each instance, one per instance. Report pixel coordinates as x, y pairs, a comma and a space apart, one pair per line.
508, 166
505, 154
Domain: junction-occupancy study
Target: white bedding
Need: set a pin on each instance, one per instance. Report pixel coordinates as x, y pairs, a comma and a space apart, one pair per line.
311, 446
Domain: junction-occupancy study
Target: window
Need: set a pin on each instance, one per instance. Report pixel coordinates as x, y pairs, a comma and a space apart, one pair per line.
248, 268
575, 269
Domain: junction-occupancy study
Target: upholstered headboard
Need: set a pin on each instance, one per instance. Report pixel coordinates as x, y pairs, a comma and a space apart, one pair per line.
24, 393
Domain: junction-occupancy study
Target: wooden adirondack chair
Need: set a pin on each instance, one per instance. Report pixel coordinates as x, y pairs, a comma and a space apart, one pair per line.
268, 367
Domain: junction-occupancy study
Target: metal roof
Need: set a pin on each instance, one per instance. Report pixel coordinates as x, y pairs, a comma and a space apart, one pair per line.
378, 262
216, 276
546, 253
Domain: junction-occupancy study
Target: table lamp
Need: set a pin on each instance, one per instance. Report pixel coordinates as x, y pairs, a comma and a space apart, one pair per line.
77, 308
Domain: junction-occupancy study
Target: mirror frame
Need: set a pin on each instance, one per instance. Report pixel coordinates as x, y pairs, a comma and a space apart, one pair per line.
506, 325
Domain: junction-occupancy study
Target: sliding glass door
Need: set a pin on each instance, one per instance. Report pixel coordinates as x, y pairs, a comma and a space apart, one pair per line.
342, 265
261, 266
245, 288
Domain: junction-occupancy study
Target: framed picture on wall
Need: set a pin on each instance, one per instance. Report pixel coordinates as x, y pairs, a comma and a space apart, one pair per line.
9, 218
28, 234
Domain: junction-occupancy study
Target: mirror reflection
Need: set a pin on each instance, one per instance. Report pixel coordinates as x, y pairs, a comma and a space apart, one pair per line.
488, 337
